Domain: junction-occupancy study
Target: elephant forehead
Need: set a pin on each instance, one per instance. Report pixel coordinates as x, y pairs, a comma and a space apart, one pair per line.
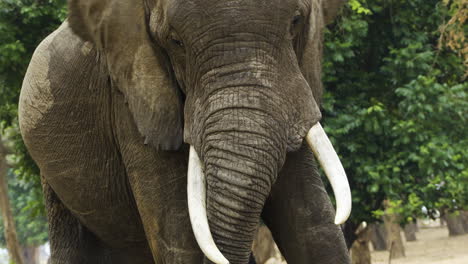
231, 12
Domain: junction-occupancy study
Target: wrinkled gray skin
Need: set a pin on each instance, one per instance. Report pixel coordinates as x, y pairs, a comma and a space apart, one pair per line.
110, 97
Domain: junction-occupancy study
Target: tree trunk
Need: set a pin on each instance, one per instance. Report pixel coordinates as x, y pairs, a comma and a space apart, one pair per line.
455, 224
464, 215
443, 220
410, 231
10, 229
394, 241
360, 252
264, 247
30, 254
378, 236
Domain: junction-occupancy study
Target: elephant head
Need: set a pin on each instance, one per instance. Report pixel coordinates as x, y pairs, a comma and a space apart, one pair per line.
238, 80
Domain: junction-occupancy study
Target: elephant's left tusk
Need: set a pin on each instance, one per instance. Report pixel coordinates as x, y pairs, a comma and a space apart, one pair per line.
331, 164
196, 192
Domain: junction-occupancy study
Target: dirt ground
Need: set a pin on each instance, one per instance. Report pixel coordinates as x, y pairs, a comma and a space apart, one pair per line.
433, 246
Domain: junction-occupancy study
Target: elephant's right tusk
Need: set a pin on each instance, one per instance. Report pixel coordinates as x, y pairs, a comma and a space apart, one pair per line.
196, 192
328, 159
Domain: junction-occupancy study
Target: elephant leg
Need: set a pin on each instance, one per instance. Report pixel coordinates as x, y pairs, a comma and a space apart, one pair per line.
158, 181
163, 210
138, 254
73, 243
300, 215
70, 242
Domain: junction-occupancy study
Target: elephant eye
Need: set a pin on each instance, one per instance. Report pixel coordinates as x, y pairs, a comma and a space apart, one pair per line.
175, 39
295, 24
178, 42
296, 20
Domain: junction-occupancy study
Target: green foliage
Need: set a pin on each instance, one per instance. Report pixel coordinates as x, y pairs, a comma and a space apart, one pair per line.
358, 8
23, 25
396, 107
31, 226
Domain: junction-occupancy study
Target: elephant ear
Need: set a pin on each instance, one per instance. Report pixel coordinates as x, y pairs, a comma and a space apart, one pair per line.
331, 9
137, 66
309, 47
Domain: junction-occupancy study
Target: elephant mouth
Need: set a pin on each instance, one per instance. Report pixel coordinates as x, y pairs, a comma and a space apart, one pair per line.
196, 190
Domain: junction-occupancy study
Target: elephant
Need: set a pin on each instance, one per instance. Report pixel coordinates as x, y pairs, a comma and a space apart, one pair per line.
165, 131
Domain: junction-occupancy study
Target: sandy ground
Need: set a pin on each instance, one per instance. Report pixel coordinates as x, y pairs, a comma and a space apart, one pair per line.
433, 246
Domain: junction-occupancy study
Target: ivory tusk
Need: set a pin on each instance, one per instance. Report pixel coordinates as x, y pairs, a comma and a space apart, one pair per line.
196, 192
328, 159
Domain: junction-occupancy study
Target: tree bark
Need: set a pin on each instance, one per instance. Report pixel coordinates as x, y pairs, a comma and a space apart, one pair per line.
378, 236
30, 254
455, 224
360, 252
8, 222
410, 232
464, 215
443, 220
394, 241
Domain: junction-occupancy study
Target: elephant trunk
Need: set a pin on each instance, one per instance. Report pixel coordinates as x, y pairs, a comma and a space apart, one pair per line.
241, 159
241, 137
